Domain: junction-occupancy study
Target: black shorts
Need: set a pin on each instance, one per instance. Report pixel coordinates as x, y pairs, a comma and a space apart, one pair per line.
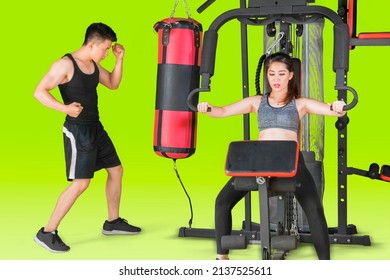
88, 148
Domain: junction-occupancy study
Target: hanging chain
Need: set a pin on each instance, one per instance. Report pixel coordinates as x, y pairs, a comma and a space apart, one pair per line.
187, 9
294, 226
174, 9
185, 6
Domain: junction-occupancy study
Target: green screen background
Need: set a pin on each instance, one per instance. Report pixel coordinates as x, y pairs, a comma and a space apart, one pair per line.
32, 174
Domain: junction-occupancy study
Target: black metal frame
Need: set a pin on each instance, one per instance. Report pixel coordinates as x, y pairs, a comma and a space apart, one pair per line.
344, 233
262, 12
354, 40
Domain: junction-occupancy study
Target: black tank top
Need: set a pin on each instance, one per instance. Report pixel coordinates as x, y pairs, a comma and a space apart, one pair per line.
82, 89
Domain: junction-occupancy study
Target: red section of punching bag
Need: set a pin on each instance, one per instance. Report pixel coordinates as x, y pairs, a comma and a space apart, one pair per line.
178, 139
178, 74
178, 34
180, 39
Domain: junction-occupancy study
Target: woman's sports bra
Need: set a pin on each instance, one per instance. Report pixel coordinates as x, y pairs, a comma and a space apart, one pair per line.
285, 117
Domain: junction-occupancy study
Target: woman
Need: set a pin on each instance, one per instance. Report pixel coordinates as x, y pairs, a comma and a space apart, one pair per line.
279, 113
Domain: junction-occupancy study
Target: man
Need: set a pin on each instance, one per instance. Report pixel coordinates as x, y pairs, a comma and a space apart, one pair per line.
88, 147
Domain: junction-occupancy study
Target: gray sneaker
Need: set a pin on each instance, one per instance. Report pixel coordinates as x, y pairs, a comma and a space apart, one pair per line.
119, 226
51, 241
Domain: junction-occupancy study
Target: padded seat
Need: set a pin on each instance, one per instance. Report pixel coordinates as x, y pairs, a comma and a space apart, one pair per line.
266, 166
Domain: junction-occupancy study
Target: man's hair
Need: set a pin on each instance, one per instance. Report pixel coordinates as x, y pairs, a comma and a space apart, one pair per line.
99, 32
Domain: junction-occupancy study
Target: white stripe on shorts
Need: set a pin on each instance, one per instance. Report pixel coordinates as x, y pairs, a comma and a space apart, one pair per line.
72, 168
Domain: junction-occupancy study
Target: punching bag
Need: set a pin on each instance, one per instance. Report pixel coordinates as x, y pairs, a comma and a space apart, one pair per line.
179, 50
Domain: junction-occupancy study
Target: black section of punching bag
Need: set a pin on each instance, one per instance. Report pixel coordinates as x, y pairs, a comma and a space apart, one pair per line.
177, 23
174, 83
188, 151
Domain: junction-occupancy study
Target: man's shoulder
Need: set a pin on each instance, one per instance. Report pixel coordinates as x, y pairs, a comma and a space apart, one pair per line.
61, 68
65, 59
64, 63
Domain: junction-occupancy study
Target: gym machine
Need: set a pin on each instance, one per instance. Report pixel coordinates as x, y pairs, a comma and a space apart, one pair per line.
284, 15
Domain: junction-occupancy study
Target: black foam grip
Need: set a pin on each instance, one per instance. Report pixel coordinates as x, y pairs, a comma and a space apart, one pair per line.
385, 170
234, 242
281, 185
245, 184
341, 47
373, 171
208, 52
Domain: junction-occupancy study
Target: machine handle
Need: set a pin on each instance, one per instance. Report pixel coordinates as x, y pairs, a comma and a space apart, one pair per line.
353, 102
191, 99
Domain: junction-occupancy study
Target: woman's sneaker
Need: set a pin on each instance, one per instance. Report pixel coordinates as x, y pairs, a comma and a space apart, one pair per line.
119, 226
51, 241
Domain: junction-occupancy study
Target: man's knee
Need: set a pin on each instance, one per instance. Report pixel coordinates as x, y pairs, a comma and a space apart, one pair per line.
80, 184
115, 172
